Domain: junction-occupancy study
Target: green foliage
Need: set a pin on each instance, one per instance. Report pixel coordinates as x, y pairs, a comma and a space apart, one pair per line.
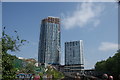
111, 65
38, 69
18, 63
55, 73
100, 66
50, 71
30, 68
24, 67
7, 67
9, 44
41, 74
0, 59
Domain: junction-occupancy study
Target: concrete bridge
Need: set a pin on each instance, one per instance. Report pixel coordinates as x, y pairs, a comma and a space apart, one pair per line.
84, 75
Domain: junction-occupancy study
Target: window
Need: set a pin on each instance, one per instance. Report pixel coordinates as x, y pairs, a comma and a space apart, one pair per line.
76, 42
73, 53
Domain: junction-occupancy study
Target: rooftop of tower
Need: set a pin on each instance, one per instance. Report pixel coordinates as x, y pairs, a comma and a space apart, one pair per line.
74, 41
52, 19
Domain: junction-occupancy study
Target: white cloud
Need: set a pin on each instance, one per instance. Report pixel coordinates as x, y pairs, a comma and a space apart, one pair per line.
96, 23
106, 46
85, 13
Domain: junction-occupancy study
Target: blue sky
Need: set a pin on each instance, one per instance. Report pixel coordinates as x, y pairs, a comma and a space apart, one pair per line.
94, 23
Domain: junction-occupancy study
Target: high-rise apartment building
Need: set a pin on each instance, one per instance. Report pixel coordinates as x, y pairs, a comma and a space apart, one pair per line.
74, 55
49, 43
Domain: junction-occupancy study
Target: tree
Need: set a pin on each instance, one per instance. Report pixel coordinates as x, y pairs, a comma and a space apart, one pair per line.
9, 44
111, 65
52, 71
30, 68
100, 66
0, 59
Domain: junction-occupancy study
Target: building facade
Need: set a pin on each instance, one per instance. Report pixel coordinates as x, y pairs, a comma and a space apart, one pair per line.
74, 61
49, 42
